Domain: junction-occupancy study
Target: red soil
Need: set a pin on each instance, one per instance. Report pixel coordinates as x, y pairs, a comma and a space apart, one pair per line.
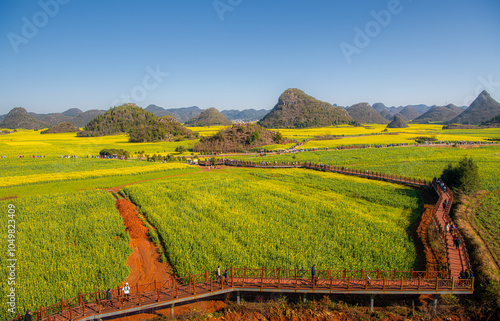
146, 266
145, 262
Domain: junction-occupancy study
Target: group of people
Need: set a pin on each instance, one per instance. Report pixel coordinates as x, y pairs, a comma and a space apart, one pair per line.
224, 275
451, 228
441, 184
466, 274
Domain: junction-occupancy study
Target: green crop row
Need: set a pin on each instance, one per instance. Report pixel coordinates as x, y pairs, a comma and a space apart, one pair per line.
416, 162
280, 218
64, 244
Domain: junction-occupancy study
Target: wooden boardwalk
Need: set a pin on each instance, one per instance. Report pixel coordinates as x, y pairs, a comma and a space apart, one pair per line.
174, 291
457, 259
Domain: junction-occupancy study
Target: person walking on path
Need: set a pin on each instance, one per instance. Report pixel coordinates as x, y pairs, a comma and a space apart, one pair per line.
109, 297
457, 244
28, 317
217, 273
126, 290
225, 276
313, 274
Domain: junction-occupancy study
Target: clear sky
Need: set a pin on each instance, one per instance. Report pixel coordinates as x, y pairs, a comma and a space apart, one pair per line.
238, 54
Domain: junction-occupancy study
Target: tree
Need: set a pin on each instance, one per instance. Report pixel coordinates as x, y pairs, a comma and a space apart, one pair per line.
463, 177
180, 149
278, 137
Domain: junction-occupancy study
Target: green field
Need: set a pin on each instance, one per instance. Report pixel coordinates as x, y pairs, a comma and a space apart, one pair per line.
487, 216
419, 162
65, 244
239, 217
280, 218
377, 134
29, 143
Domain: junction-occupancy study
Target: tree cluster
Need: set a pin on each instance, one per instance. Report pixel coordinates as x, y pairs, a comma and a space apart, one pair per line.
111, 152
239, 138
463, 177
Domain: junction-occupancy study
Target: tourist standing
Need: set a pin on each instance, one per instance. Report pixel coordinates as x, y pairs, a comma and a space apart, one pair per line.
126, 290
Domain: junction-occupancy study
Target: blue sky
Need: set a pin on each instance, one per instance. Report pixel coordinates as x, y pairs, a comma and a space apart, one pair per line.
238, 54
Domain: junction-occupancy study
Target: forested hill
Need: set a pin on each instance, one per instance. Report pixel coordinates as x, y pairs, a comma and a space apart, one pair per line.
142, 125
296, 109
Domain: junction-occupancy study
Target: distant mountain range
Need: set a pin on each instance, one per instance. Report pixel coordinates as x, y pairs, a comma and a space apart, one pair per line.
182, 114
185, 114
246, 115
20, 118
294, 109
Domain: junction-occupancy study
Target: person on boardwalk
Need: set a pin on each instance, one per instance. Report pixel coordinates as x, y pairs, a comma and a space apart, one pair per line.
457, 244
126, 290
217, 273
225, 276
109, 297
28, 317
313, 274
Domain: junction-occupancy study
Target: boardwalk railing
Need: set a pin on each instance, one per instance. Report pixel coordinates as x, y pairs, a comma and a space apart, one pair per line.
322, 167
175, 290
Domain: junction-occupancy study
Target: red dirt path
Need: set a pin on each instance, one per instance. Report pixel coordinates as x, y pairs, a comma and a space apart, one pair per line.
145, 262
146, 267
